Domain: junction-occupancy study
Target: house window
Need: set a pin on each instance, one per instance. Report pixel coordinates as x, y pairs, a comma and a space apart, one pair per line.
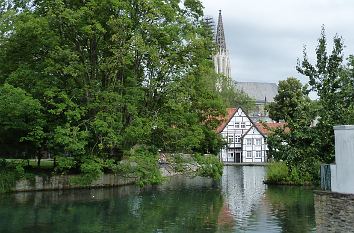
243, 125
249, 154
258, 154
249, 141
258, 141
230, 138
237, 125
237, 138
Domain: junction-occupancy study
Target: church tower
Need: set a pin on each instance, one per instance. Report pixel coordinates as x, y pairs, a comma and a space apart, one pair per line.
221, 58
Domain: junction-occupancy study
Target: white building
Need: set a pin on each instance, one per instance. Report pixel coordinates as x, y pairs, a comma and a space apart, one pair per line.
246, 140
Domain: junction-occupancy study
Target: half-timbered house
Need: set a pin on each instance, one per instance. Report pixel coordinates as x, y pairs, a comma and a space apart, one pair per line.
245, 141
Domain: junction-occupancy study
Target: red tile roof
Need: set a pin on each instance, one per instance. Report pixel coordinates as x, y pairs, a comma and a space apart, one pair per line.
226, 119
267, 127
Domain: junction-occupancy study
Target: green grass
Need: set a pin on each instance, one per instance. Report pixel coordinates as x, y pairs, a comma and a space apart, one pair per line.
45, 163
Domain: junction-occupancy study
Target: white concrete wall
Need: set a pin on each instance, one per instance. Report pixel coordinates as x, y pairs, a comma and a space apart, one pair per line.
343, 171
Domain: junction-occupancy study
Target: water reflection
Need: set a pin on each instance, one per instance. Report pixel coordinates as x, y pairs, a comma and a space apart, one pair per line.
181, 205
251, 206
241, 203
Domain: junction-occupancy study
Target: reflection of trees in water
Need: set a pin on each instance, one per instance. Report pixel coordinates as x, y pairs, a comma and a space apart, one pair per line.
153, 210
293, 206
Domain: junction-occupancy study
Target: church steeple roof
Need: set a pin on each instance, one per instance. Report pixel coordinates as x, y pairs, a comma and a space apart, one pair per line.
220, 35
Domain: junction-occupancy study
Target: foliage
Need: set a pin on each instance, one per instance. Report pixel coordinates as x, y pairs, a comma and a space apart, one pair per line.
310, 138
64, 164
143, 164
277, 172
332, 80
178, 162
99, 77
291, 102
209, 166
10, 172
282, 173
91, 168
234, 97
21, 122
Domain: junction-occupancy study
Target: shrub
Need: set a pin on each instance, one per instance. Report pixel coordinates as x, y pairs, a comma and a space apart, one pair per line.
91, 168
10, 172
277, 172
141, 163
64, 164
209, 166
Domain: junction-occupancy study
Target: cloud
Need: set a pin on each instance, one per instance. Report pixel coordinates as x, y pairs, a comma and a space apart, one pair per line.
265, 37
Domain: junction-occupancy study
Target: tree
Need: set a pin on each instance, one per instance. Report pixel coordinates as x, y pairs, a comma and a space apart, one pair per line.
293, 143
306, 145
233, 97
113, 74
333, 82
291, 102
21, 122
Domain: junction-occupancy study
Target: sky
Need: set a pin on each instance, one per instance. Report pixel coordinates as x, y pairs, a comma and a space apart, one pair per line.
266, 37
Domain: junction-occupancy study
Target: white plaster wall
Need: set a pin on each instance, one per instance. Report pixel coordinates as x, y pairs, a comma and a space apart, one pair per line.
333, 177
254, 134
344, 151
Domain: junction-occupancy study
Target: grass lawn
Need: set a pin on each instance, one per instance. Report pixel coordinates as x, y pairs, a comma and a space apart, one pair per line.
45, 163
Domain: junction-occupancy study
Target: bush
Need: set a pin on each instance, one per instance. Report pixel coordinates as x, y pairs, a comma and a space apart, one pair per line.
209, 166
91, 168
277, 172
142, 164
10, 172
64, 164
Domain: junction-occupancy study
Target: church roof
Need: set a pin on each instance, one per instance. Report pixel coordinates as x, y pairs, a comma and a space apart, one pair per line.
261, 92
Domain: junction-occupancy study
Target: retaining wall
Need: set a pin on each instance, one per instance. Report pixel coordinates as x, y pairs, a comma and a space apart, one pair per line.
40, 183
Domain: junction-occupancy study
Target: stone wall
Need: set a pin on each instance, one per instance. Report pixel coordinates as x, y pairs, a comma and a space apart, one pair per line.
40, 183
334, 212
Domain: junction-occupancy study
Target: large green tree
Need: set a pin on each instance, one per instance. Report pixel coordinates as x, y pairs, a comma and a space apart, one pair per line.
309, 138
332, 80
113, 74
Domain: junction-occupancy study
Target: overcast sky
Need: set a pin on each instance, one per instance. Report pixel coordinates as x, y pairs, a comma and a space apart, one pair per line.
265, 37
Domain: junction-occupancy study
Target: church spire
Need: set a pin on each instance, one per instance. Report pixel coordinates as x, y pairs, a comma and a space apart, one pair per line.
221, 58
220, 35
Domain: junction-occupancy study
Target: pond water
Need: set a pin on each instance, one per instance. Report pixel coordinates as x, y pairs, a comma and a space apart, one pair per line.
239, 203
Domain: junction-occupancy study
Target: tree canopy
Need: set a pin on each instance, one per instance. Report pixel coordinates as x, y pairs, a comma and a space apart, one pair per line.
99, 77
310, 138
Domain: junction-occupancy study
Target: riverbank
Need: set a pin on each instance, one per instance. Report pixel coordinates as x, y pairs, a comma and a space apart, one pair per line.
64, 182
46, 182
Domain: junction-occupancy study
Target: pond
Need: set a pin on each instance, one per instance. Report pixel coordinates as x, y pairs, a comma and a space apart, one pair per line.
239, 203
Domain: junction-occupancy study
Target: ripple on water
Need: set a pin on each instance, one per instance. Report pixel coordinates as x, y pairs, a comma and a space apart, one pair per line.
241, 203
